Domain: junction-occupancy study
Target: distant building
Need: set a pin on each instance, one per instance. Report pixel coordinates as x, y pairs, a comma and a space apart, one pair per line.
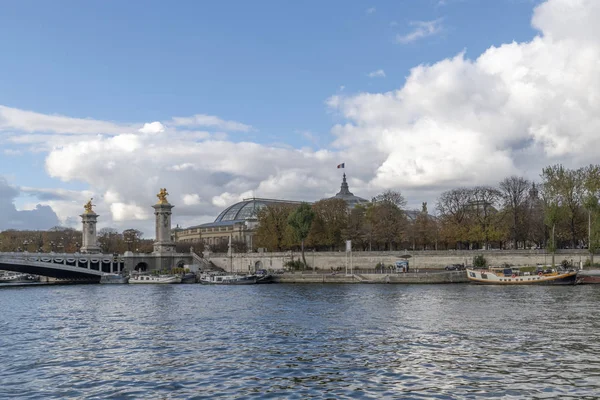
349, 197
239, 220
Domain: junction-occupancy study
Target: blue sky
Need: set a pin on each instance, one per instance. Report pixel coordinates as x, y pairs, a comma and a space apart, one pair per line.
272, 65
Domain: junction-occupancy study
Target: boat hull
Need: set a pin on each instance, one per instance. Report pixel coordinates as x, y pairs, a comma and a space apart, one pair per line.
229, 280
189, 278
114, 279
150, 279
588, 276
484, 277
19, 278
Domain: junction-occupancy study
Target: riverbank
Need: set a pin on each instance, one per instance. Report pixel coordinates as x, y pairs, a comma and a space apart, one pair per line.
442, 277
365, 260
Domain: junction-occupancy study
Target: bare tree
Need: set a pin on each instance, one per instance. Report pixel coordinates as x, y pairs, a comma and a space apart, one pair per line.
452, 207
514, 196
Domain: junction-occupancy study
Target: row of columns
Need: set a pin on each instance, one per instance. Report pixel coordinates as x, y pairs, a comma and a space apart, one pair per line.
162, 211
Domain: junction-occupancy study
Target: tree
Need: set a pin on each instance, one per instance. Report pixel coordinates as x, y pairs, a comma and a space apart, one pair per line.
392, 197
551, 196
514, 196
356, 228
424, 228
132, 238
452, 206
184, 247
591, 186
329, 224
301, 220
482, 200
273, 231
386, 218
109, 240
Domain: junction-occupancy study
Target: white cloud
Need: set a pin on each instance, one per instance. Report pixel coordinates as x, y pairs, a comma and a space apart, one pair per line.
29, 121
422, 29
458, 122
377, 74
513, 110
152, 127
125, 212
211, 121
191, 199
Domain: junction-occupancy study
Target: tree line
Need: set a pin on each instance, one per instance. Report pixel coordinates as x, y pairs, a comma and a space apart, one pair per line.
559, 211
67, 240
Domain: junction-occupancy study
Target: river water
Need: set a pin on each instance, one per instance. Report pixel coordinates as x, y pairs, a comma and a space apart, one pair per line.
299, 341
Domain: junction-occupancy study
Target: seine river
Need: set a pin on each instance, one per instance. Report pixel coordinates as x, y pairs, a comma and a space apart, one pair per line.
299, 341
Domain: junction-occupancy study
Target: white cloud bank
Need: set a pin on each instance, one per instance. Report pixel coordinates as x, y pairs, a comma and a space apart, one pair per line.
459, 122
514, 109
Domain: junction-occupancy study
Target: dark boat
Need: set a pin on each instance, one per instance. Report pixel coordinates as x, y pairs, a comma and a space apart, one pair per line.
189, 277
268, 278
588, 276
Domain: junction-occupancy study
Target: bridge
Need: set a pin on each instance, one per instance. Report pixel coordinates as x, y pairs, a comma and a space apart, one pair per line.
78, 267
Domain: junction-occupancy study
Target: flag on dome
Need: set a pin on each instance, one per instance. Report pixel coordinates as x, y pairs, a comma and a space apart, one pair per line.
342, 165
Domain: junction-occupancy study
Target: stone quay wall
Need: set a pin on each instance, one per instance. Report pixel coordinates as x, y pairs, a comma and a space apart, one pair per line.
411, 277
365, 261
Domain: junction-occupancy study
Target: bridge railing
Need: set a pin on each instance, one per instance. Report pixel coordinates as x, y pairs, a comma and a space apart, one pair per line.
97, 262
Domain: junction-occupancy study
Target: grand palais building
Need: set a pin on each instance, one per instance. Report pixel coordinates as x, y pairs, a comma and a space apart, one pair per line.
239, 221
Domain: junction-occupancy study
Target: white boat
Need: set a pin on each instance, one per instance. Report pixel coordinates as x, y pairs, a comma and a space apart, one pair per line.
512, 276
228, 279
16, 277
114, 278
141, 279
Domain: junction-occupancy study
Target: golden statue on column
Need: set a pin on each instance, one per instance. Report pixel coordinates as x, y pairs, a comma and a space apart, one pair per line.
162, 196
88, 206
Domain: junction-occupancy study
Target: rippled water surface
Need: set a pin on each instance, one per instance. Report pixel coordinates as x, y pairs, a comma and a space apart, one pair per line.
299, 341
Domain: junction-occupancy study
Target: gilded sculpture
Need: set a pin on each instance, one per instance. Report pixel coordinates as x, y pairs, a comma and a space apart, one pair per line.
162, 196
88, 206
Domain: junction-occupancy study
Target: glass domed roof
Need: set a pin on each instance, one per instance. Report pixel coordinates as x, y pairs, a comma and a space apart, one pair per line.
242, 210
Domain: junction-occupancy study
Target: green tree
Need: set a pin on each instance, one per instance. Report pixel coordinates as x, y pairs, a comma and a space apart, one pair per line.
387, 218
591, 186
273, 231
329, 224
301, 220
552, 200
356, 228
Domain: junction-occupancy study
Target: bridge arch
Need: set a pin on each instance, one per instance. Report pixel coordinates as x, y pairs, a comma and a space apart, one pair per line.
141, 267
180, 264
258, 265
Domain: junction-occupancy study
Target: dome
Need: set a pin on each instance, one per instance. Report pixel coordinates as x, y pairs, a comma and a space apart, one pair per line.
349, 197
246, 209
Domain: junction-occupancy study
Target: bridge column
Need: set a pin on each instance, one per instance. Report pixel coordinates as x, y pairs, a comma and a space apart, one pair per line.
162, 211
89, 240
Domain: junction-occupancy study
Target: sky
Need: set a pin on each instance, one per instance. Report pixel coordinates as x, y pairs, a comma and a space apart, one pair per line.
221, 101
